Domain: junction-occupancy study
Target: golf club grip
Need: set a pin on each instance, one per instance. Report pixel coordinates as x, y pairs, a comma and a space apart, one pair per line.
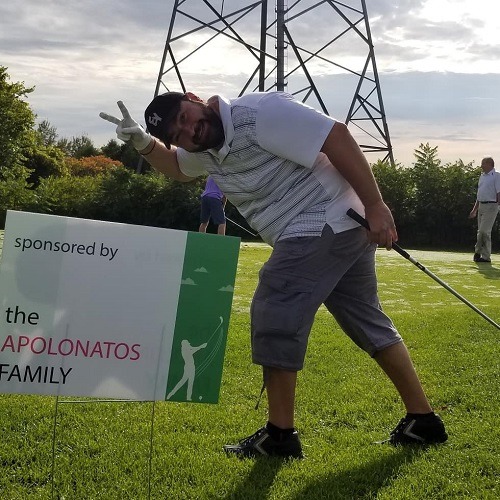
363, 222
360, 220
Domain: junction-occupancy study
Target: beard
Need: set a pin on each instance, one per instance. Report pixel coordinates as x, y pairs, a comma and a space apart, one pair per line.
209, 132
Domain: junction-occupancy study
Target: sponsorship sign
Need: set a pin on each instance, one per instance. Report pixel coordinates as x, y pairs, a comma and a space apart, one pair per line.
108, 310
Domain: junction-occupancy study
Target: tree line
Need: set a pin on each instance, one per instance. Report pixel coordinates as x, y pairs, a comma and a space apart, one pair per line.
41, 172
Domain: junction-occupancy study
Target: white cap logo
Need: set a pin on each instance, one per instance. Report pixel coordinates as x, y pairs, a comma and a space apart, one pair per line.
154, 120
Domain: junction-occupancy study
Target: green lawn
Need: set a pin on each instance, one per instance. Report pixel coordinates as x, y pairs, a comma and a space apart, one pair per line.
344, 404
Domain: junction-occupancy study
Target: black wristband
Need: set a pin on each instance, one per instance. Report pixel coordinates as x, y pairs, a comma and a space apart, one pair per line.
151, 150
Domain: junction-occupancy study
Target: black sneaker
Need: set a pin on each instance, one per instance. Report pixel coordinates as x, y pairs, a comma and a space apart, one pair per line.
261, 443
482, 260
476, 257
426, 429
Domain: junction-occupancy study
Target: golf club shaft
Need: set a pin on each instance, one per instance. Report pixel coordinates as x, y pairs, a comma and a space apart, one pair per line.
244, 228
354, 215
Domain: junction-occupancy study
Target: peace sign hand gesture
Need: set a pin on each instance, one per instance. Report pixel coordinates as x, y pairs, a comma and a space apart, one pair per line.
128, 129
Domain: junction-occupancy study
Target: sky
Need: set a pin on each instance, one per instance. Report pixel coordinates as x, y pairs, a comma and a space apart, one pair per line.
438, 63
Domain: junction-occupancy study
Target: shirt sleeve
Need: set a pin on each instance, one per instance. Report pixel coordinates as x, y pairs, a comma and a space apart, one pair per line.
291, 129
189, 163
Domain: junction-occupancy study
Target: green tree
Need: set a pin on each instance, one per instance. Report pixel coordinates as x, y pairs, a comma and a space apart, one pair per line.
44, 161
459, 190
90, 165
69, 196
126, 154
396, 186
113, 149
426, 156
431, 209
47, 133
430, 201
78, 147
43, 157
149, 199
16, 138
17, 121
15, 192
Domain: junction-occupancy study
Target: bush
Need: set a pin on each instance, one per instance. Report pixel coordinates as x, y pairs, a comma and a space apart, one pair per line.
69, 196
15, 192
90, 165
149, 199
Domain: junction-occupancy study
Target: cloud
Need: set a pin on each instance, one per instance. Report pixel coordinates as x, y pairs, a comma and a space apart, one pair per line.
187, 281
227, 288
437, 61
440, 96
200, 270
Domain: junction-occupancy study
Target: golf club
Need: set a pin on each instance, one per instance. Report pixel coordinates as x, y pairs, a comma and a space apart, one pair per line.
354, 215
244, 228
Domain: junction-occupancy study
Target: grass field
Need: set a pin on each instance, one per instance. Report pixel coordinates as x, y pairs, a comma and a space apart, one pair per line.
344, 405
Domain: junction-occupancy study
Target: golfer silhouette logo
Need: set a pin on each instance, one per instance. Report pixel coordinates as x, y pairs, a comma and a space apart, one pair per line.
187, 351
191, 371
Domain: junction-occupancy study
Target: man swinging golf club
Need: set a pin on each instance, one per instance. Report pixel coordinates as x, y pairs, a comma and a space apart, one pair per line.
293, 173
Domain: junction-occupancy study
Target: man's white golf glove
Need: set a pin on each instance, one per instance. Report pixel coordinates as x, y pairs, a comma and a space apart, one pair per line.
128, 129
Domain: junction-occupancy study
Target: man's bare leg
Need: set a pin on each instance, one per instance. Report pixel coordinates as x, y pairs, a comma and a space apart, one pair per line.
278, 437
280, 386
396, 363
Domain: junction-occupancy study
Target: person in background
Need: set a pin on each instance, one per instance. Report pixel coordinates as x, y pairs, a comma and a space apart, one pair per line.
486, 208
293, 173
213, 203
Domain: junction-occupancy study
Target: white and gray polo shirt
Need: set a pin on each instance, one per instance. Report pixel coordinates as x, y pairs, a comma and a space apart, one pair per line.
272, 170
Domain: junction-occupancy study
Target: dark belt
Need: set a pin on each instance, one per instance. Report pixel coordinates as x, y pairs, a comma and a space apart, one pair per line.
487, 202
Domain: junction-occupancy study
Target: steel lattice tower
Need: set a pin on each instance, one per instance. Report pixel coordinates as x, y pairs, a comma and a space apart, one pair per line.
321, 51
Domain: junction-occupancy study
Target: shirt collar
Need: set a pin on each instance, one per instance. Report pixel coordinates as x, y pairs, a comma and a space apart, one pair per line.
227, 124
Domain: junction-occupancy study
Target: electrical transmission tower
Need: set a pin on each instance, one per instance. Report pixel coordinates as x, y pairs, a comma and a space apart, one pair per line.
320, 51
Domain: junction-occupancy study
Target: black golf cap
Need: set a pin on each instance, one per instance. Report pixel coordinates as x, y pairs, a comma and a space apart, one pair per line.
160, 113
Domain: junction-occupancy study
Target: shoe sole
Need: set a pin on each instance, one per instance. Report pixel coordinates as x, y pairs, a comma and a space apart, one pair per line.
411, 443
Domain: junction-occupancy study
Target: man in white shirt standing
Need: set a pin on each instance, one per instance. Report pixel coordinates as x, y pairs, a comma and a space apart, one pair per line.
293, 173
486, 208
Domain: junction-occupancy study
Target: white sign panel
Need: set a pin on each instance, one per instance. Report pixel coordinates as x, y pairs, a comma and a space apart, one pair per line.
91, 308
